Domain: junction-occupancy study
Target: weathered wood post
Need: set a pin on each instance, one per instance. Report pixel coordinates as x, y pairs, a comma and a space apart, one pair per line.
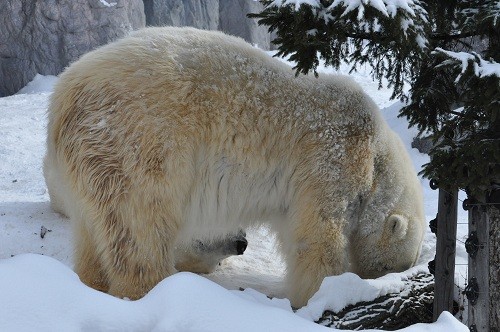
483, 247
446, 236
477, 248
494, 253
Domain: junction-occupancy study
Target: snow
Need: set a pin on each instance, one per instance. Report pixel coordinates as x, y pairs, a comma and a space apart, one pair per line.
40, 292
359, 5
108, 4
482, 68
386, 7
48, 296
366, 290
40, 83
296, 3
413, 14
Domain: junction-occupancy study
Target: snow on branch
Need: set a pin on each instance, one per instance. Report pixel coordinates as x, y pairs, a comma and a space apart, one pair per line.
386, 7
369, 14
296, 3
481, 67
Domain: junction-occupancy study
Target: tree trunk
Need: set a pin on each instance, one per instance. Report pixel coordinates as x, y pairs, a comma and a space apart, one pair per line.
390, 312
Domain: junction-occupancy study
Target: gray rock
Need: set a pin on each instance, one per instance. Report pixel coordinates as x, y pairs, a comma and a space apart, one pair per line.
233, 20
201, 14
225, 15
46, 36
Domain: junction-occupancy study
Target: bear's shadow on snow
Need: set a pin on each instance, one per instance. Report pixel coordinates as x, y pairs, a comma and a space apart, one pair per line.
22, 225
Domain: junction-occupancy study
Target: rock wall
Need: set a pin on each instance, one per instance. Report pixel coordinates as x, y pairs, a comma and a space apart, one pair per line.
44, 36
233, 20
225, 15
202, 14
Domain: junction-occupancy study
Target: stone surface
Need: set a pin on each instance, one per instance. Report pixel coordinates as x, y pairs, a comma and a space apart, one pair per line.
45, 36
233, 21
202, 14
225, 15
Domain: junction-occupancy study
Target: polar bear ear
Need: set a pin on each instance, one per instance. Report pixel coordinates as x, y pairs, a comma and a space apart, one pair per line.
397, 225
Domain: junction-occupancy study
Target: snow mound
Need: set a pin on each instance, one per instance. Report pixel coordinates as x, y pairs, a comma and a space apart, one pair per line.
39, 84
359, 290
48, 296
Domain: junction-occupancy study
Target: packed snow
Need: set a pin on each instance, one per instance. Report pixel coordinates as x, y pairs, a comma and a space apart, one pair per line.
39, 291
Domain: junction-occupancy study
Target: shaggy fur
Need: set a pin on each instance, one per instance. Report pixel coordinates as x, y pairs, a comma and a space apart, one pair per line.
172, 134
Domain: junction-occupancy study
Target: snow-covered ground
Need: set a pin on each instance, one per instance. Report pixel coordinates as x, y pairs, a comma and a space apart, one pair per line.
39, 291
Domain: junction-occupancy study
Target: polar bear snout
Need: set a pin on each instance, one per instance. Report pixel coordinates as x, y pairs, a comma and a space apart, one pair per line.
241, 246
203, 256
236, 244
229, 245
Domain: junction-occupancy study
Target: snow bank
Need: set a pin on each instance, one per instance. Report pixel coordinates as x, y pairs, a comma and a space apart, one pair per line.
39, 84
41, 294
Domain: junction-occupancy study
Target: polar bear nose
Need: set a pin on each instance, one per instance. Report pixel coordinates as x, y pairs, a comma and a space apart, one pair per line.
241, 246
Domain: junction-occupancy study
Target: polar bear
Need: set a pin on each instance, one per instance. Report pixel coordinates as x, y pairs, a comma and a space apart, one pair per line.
174, 134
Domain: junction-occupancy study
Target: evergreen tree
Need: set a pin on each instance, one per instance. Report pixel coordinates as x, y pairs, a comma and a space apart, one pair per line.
448, 52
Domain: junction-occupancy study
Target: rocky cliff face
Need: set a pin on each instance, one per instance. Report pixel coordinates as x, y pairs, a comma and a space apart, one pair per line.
233, 20
45, 36
225, 15
202, 14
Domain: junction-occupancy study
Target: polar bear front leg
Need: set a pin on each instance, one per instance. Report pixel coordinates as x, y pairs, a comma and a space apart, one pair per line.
318, 250
124, 258
138, 262
87, 261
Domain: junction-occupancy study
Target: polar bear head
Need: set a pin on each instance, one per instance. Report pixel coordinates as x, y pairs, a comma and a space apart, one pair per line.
389, 234
395, 248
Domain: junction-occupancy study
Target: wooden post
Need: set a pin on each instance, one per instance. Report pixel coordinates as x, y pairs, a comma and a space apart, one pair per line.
483, 247
477, 285
494, 263
445, 251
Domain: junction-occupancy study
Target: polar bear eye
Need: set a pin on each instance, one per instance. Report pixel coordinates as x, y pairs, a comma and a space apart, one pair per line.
398, 225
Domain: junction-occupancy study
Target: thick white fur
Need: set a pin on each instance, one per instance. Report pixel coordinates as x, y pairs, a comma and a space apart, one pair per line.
175, 133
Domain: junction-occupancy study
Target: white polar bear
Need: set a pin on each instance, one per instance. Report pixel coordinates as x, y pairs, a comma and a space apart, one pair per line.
175, 134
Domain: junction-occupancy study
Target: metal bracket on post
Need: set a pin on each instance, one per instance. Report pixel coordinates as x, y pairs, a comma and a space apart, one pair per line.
472, 291
433, 225
472, 245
